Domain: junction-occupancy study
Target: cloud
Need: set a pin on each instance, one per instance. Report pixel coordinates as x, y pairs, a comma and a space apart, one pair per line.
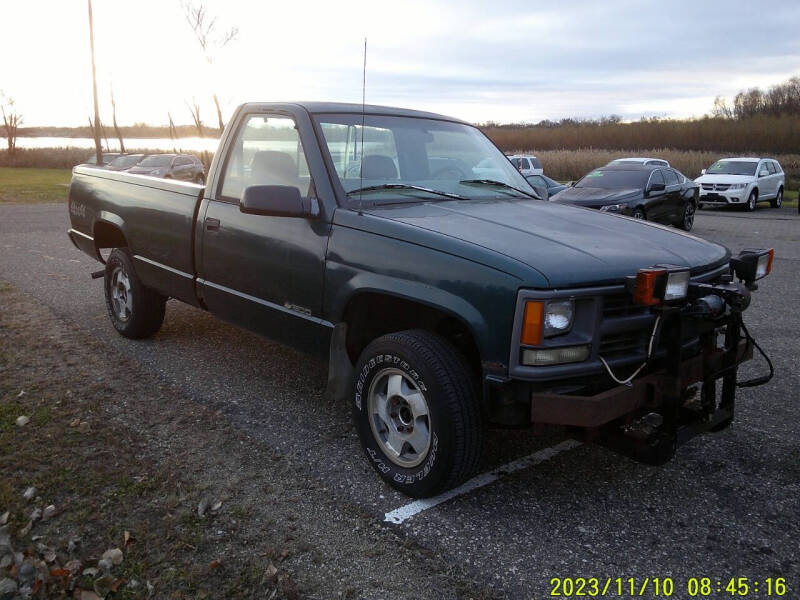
513, 61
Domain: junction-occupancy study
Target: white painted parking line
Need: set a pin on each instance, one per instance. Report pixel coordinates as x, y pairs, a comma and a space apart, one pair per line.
403, 513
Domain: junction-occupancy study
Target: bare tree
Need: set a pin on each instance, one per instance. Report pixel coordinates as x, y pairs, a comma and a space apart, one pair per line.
173, 132
194, 108
205, 31
114, 120
97, 146
721, 109
11, 122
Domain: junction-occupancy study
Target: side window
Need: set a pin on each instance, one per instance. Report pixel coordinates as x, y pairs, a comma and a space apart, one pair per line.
671, 177
182, 161
267, 151
656, 177
770, 167
777, 166
763, 170
517, 162
537, 180
536, 164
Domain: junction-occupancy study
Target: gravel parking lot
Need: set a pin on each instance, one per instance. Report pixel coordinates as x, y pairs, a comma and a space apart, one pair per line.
726, 506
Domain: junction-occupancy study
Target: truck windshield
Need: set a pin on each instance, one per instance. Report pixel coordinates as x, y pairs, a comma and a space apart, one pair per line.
733, 167
410, 159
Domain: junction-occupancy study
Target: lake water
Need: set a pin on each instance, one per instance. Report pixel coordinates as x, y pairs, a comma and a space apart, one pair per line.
165, 144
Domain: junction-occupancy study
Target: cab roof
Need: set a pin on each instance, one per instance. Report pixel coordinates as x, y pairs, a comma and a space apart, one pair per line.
319, 108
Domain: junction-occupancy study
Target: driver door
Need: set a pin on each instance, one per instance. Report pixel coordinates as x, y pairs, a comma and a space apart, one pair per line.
265, 272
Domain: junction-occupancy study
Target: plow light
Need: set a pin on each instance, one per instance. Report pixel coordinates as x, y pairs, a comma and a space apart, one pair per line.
657, 285
752, 264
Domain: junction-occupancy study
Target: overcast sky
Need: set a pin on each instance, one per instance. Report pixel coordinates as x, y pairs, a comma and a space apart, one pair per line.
500, 61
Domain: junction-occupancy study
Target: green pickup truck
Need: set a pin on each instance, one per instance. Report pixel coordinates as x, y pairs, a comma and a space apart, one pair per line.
447, 294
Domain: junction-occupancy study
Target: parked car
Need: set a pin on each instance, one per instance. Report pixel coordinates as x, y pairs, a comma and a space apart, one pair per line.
108, 157
551, 185
171, 166
635, 160
124, 162
742, 182
527, 165
651, 193
442, 305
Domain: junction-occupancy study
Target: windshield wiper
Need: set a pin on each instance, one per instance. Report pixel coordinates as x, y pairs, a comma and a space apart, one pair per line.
405, 186
498, 183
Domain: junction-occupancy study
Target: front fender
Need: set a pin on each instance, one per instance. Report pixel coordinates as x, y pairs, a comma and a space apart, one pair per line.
481, 297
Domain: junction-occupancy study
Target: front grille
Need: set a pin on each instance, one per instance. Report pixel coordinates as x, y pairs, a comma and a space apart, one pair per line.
621, 305
719, 187
626, 342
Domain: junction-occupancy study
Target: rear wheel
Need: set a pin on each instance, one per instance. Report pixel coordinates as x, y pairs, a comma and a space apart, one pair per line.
688, 217
136, 311
638, 213
778, 200
417, 413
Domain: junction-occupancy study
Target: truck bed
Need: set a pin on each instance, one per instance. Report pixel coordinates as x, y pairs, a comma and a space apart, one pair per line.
156, 216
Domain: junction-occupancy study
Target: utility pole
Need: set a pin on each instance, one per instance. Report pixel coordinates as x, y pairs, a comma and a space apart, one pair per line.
98, 147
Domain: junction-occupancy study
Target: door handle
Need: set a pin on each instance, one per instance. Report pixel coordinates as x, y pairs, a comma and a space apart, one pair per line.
212, 224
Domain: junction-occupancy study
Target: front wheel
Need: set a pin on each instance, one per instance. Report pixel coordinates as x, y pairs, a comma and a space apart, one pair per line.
638, 213
778, 200
751, 201
688, 217
417, 413
136, 311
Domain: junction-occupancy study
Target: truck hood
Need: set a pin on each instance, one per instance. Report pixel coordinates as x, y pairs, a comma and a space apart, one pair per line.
569, 246
586, 196
725, 179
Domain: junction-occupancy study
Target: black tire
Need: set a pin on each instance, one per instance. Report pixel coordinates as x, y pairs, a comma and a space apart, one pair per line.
752, 201
687, 222
777, 200
638, 213
454, 420
144, 308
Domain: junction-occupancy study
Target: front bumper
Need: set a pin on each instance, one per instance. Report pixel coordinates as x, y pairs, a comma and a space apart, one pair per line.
648, 391
722, 197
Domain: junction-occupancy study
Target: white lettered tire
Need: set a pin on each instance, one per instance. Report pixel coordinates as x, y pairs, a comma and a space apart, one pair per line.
417, 413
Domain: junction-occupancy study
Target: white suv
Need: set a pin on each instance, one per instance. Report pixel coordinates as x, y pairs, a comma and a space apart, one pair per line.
526, 164
742, 181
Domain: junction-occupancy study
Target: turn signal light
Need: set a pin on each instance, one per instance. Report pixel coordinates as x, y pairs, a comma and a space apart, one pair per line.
532, 323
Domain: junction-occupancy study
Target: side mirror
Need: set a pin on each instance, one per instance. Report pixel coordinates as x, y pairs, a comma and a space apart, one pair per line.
763, 173
702, 171
656, 187
542, 191
275, 201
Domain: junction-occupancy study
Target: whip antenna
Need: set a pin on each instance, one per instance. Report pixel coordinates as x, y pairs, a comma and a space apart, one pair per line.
363, 102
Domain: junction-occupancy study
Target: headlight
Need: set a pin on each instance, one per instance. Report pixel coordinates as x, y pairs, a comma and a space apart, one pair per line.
558, 316
612, 207
738, 186
545, 319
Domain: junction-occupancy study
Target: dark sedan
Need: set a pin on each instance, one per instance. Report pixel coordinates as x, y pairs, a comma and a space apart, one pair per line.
171, 166
648, 192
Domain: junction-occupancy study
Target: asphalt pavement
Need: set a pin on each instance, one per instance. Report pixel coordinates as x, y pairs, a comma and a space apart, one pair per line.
728, 505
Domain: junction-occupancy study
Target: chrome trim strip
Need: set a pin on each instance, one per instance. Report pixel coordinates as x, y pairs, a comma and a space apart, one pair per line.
266, 303
165, 267
80, 233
